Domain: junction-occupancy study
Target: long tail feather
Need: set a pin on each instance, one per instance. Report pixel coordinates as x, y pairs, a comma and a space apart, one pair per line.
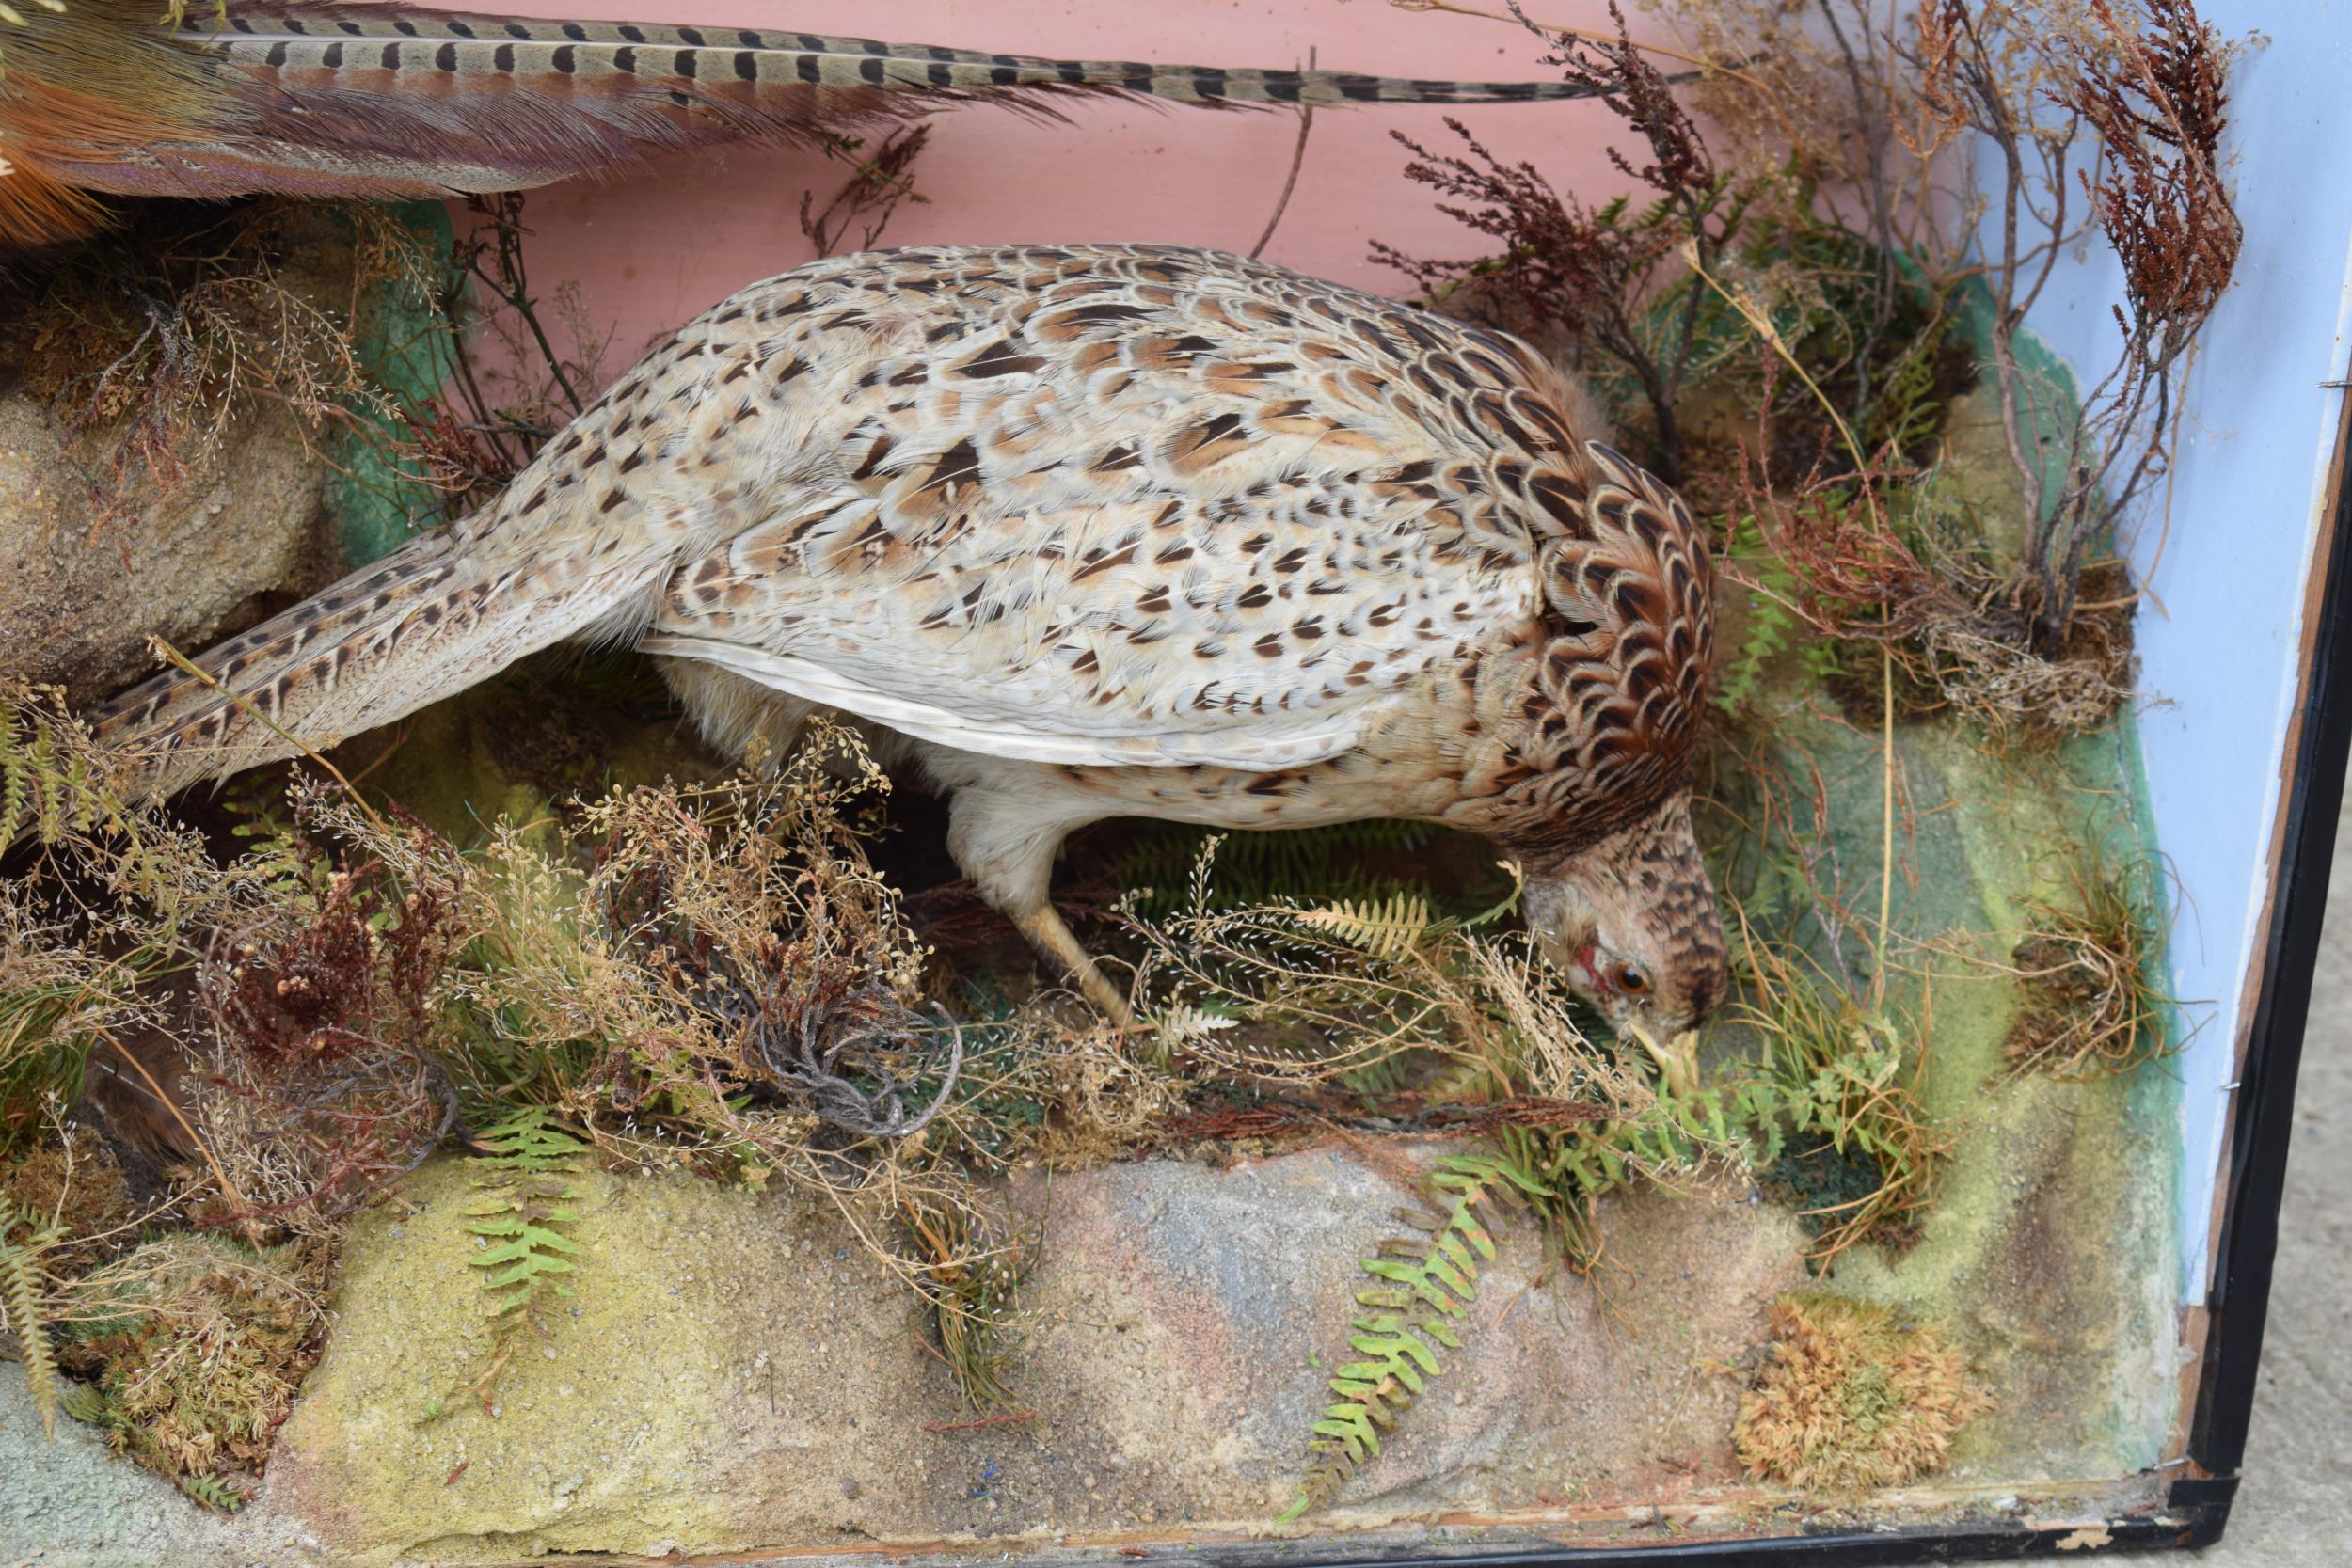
383, 100
456, 51
420, 626
436, 616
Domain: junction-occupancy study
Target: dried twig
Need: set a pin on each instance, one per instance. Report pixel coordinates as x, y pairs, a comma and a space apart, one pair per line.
1592, 274
1516, 19
1290, 183
872, 192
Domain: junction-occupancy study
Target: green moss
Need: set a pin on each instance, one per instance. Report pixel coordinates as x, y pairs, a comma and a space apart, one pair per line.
196, 1346
634, 1362
2051, 1248
375, 496
521, 743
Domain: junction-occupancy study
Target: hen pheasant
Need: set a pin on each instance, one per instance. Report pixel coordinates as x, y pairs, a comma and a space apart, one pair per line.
363, 99
1091, 530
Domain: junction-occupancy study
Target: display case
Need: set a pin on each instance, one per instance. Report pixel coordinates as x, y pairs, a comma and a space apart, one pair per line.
575, 1142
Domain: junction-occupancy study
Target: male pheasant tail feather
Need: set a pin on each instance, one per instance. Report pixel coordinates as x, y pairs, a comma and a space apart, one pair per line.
377, 99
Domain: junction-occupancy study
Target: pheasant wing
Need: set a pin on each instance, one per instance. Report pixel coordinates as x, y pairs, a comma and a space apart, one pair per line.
1121, 633
1125, 507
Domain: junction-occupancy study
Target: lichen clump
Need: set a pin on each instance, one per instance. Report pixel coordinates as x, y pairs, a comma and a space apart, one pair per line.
198, 1347
1853, 1397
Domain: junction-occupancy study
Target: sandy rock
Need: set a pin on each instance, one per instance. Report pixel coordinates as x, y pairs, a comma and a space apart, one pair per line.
78, 601
1189, 1317
734, 1374
90, 566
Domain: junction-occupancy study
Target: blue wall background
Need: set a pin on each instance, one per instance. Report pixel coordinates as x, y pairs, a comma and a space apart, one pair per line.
2219, 638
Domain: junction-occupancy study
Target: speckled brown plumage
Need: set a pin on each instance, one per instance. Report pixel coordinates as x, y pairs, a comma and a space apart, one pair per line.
1095, 530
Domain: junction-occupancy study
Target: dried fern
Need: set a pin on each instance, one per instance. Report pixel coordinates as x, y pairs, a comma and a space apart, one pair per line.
21, 1307
1428, 1283
1380, 928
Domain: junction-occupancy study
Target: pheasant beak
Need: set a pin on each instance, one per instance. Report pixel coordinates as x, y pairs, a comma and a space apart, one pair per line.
1678, 1059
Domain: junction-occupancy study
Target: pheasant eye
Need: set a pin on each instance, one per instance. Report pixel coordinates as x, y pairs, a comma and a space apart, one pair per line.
1631, 979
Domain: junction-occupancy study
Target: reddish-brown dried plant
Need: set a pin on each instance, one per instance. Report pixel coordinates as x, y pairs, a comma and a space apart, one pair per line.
1595, 276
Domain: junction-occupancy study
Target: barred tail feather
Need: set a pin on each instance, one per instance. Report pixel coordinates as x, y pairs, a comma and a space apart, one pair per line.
423, 623
449, 53
369, 99
386, 96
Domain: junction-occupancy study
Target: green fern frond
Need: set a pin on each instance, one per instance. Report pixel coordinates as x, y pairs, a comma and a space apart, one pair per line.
1770, 624
48, 784
1426, 1283
50, 780
526, 1188
525, 1141
526, 1166
88, 1404
21, 1307
1267, 867
1385, 1075
213, 1492
29, 774
16, 778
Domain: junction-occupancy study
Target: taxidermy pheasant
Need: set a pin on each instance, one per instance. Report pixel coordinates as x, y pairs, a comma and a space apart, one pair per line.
99, 97
1089, 532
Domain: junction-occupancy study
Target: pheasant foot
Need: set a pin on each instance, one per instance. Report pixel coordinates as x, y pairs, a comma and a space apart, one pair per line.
1048, 934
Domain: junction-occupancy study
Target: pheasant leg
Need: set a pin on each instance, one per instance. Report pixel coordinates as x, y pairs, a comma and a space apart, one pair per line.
1050, 936
1005, 840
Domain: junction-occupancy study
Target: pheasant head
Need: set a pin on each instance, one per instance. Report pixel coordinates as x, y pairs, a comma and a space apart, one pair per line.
1631, 922
1625, 907
1587, 738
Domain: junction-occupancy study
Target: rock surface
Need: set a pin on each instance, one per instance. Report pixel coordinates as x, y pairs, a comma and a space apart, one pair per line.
734, 1373
89, 571
71, 1504
78, 601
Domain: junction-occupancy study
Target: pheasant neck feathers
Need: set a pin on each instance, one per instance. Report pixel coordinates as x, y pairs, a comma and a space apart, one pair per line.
1601, 710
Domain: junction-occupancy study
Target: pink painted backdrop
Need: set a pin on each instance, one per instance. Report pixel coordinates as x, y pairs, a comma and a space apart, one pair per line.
659, 246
